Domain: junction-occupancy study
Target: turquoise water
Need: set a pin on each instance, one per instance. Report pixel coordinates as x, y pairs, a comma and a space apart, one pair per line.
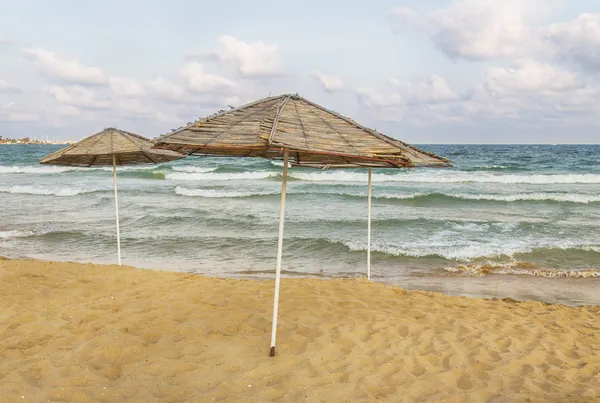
508, 220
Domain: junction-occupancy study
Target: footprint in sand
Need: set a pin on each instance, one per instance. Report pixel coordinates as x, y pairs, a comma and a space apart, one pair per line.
464, 383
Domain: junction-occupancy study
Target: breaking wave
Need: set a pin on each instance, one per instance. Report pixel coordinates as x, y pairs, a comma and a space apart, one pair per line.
213, 193
431, 197
33, 190
192, 169
212, 176
447, 177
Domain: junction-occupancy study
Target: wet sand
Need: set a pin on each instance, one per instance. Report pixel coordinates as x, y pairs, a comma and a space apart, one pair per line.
73, 332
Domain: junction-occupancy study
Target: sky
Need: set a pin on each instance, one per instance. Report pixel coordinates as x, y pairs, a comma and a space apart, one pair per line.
437, 71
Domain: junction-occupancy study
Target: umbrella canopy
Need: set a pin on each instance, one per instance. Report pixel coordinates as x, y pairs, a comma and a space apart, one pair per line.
99, 149
315, 137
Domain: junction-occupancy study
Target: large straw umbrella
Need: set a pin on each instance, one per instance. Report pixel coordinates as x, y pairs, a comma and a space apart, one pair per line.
111, 147
290, 127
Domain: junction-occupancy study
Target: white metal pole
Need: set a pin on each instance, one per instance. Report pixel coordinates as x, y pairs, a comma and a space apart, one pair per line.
369, 229
117, 209
279, 252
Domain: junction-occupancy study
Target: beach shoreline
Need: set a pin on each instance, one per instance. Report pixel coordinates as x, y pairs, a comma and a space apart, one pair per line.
85, 332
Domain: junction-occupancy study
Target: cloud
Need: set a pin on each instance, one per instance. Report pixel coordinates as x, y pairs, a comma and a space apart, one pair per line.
78, 96
433, 89
15, 115
126, 86
165, 89
67, 111
480, 29
576, 41
402, 18
529, 76
6, 87
248, 60
64, 67
327, 82
199, 81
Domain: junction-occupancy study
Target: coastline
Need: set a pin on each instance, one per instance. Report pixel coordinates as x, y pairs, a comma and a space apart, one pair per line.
84, 332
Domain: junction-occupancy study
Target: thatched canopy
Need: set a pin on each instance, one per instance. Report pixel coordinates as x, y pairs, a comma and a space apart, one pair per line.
314, 136
99, 149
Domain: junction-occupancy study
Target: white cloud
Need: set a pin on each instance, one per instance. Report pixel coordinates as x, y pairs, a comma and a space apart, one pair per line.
480, 29
433, 89
67, 111
14, 115
528, 76
485, 29
328, 83
403, 17
577, 40
165, 89
64, 67
248, 60
78, 96
126, 86
7, 87
199, 81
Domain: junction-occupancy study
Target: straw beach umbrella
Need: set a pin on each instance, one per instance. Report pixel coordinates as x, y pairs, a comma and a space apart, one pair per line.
293, 129
111, 147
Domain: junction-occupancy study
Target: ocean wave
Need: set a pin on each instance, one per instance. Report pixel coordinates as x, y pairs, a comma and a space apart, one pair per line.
556, 197
212, 176
192, 169
447, 176
14, 234
33, 190
552, 197
213, 193
518, 268
53, 169
468, 251
35, 169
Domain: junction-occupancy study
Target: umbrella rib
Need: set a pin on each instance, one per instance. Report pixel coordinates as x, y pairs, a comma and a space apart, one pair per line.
235, 123
276, 120
93, 160
97, 141
337, 132
126, 135
146, 155
302, 125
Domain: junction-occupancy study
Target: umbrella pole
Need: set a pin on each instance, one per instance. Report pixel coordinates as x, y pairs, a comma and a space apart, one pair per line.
279, 252
369, 229
117, 209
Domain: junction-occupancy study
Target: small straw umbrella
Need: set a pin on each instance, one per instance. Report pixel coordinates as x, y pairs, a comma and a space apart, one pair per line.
111, 147
288, 127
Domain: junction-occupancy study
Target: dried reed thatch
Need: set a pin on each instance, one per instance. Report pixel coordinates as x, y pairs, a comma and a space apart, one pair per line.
314, 136
99, 149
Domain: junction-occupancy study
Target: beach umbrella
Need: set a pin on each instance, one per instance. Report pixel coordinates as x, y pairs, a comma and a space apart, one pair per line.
111, 147
291, 128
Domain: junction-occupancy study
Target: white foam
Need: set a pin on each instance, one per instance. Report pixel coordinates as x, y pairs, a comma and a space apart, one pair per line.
213, 193
211, 176
466, 250
446, 176
559, 197
35, 169
13, 234
192, 169
33, 190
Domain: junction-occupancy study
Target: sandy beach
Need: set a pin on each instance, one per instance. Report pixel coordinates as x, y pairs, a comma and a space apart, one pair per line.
90, 333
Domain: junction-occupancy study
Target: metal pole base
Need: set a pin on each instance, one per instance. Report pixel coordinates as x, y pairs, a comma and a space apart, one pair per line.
272, 352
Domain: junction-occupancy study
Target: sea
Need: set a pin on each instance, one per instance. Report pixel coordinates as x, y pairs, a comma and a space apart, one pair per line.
506, 221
